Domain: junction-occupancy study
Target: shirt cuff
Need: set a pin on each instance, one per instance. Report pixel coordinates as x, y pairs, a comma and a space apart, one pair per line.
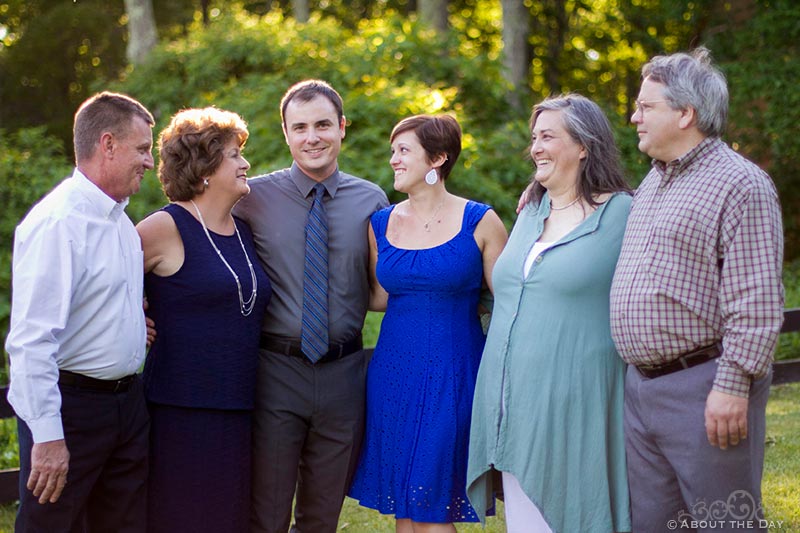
732, 380
46, 429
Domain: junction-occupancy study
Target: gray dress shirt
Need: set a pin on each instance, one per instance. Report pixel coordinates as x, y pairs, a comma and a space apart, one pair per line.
276, 209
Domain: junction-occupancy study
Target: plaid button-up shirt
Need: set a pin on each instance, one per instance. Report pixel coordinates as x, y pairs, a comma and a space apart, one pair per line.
701, 263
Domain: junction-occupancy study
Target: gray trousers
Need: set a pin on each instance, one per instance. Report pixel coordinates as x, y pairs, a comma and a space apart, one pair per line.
307, 429
678, 481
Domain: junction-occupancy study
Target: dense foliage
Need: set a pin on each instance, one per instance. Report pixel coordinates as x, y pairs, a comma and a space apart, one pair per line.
762, 67
31, 163
388, 69
387, 65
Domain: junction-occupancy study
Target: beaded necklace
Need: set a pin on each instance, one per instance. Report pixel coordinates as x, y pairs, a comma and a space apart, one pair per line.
245, 306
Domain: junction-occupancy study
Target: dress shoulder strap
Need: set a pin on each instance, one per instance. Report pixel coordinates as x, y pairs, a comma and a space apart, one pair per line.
189, 228
473, 214
380, 220
183, 219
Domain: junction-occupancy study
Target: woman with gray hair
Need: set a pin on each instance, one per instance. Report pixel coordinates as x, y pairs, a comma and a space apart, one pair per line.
547, 412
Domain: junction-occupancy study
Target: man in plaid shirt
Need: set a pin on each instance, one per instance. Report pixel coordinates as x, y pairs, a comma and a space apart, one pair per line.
696, 307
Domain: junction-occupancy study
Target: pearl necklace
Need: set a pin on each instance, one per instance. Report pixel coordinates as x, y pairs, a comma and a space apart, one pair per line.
427, 225
245, 306
554, 208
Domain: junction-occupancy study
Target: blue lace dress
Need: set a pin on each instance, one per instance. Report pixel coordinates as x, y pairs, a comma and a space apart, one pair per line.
421, 378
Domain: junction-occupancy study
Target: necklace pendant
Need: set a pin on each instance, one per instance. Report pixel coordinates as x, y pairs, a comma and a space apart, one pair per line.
245, 306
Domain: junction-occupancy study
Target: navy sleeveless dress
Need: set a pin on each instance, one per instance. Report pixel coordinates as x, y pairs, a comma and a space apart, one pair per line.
421, 378
200, 383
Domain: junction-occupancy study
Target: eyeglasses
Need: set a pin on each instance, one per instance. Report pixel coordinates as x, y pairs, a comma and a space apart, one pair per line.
641, 105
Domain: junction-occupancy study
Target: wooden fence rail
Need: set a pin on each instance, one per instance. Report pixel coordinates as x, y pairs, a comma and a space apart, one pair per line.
783, 372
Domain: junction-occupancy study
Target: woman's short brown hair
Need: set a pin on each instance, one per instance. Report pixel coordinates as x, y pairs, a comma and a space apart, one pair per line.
191, 148
438, 135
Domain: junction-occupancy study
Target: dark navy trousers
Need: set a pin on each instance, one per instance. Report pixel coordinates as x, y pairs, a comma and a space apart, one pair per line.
107, 437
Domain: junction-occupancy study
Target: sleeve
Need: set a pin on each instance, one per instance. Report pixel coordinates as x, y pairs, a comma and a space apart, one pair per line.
751, 289
380, 198
42, 285
476, 213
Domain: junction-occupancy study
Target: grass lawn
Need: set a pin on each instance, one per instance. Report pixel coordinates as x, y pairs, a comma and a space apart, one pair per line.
781, 486
357, 519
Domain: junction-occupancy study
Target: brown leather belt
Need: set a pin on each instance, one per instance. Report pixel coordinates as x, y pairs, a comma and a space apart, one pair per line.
697, 357
292, 348
79, 381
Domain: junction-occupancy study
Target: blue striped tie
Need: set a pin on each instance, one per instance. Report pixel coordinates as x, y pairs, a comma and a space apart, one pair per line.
314, 338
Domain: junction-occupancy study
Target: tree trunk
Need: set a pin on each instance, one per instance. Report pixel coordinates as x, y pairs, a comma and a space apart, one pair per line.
516, 56
557, 37
142, 35
434, 13
204, 10
301, 11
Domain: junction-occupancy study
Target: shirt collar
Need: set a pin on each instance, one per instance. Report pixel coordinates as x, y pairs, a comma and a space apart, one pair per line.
305, 184
590, 224
679, 165
105, 205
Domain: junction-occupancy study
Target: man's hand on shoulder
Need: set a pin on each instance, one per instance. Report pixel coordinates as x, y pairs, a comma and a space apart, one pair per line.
726, 419
49, 466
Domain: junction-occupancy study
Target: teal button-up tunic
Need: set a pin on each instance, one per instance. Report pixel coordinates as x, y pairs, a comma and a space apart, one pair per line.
549, 396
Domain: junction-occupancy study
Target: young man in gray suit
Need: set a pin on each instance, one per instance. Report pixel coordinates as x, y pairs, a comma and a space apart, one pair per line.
309, 415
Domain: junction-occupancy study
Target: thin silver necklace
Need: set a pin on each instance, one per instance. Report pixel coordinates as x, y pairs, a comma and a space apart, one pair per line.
573, 202
245, 306
427, 225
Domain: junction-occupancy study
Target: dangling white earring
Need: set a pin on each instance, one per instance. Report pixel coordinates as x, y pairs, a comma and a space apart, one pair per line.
205, 182
431, 177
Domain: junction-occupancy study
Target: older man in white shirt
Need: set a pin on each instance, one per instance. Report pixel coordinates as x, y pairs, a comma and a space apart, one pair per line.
78, 334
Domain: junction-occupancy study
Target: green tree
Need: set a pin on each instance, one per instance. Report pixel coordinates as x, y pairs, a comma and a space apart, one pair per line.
244, 54
142, 34
31, 163
57, 55
53, 55
759, 51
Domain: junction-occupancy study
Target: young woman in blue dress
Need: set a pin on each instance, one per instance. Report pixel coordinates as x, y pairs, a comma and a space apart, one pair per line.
432, 254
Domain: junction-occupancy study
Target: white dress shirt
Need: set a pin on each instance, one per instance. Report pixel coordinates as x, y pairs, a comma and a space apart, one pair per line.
76, 300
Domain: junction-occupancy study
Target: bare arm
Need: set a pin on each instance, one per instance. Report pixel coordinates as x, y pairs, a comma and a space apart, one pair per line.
163, 253
491, 237
161, 244
378, 297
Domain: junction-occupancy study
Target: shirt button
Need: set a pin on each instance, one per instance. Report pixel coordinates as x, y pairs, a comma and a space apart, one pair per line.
539, 259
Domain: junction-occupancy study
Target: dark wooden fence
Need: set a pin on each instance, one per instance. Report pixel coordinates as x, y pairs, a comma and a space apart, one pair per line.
788, 371
9, 479
783, 372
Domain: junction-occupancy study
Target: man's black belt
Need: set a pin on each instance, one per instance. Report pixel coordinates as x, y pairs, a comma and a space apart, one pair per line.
292, 348
697, 357
79, 381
